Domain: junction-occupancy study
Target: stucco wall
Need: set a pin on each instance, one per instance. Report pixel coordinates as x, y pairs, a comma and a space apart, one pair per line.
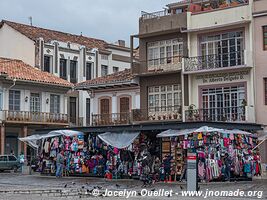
15, 45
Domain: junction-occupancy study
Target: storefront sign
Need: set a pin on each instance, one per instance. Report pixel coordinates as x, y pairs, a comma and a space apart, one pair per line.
223, 77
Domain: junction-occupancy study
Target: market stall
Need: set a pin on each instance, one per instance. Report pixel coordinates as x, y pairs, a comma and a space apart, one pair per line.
215, 147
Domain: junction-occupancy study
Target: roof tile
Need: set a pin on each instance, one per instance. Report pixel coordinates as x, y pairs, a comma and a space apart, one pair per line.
17, 69
35, 33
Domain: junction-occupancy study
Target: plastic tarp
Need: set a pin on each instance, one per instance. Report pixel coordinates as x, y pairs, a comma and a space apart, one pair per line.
207, 129
235, 131
119, 140
32, 140
174, 133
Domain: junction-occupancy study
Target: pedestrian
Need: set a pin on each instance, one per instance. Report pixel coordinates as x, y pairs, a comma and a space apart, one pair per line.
228, 164
12, 152
184, 171
156, 169
60, 163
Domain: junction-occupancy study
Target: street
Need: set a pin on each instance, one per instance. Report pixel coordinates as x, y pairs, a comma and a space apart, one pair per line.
14, 186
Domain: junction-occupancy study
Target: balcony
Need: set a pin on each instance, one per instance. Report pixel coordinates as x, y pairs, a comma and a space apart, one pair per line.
170, 113
209, 15
111, 119
161, 21
214, 62
34, 117
166, 64
227, 114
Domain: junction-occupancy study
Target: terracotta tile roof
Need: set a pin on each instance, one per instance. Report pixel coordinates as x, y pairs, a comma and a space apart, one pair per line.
118, 77
17, 69
34, 33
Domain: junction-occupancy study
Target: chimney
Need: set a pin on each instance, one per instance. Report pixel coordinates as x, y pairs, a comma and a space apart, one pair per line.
121, 43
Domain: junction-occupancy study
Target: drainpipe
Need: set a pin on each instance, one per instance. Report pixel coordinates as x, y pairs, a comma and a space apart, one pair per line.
14, 83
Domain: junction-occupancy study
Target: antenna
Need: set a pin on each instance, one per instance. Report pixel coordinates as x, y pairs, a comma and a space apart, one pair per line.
30, 19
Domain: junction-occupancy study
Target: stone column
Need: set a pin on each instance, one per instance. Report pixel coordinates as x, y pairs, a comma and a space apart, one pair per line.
24, 131
2, 138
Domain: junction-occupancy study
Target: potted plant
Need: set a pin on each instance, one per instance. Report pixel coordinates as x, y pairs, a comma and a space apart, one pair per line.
243, 106
175, 115
191, 110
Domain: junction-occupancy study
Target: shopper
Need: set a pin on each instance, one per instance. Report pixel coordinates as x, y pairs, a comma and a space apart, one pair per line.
184, 171
228, 164
156, 169
167, 166
60, 163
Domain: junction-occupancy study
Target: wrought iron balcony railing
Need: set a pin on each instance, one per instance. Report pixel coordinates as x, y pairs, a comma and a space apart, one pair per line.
146, 15
226, 114
111, 119
215, 61
34, 117
158, 113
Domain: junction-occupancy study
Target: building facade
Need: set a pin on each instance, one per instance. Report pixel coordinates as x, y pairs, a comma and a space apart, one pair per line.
75, 58
113, 98
201, 56
260, 59
29, 99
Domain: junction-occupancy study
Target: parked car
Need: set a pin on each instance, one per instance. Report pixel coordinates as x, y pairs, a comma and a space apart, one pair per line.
9, 162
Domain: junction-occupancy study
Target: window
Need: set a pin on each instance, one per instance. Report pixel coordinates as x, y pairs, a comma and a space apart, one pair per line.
63, 68
165, 52
265, 90
73, 71
104, 106
1, 100
104, 70
14, 100
89, 70
54, 103
124, 104
3, 158
47, 63
73, 111
264, 28
88, 112
115, 69
224, 50
164, 98
12, 158
223, 103
104, 57
35, 104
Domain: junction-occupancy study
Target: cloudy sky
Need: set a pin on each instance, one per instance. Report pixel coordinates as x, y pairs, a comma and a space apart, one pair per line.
105, 19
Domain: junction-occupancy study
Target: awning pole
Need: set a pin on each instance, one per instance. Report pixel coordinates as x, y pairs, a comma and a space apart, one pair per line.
259, 144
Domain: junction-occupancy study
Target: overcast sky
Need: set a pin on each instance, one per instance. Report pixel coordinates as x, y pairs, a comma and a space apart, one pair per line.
105, 19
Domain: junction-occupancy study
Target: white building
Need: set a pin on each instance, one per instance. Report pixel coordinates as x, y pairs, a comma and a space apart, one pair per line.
29, 99
113, 97
75, 58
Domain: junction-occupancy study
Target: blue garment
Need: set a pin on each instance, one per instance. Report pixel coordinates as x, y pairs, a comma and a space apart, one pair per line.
59, 170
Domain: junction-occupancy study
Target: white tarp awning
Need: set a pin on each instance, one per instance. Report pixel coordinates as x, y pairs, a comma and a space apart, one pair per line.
235, 131
207, 129
119, 140
175, 133
32, 140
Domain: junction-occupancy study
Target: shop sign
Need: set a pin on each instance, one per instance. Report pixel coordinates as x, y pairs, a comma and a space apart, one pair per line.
223, 77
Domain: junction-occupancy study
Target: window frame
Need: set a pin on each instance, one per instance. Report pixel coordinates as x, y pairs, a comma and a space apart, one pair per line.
156, 94
264, 37
57, 106
50, 63
265, 90
73, 71
63, 69
13, 100
106, 70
